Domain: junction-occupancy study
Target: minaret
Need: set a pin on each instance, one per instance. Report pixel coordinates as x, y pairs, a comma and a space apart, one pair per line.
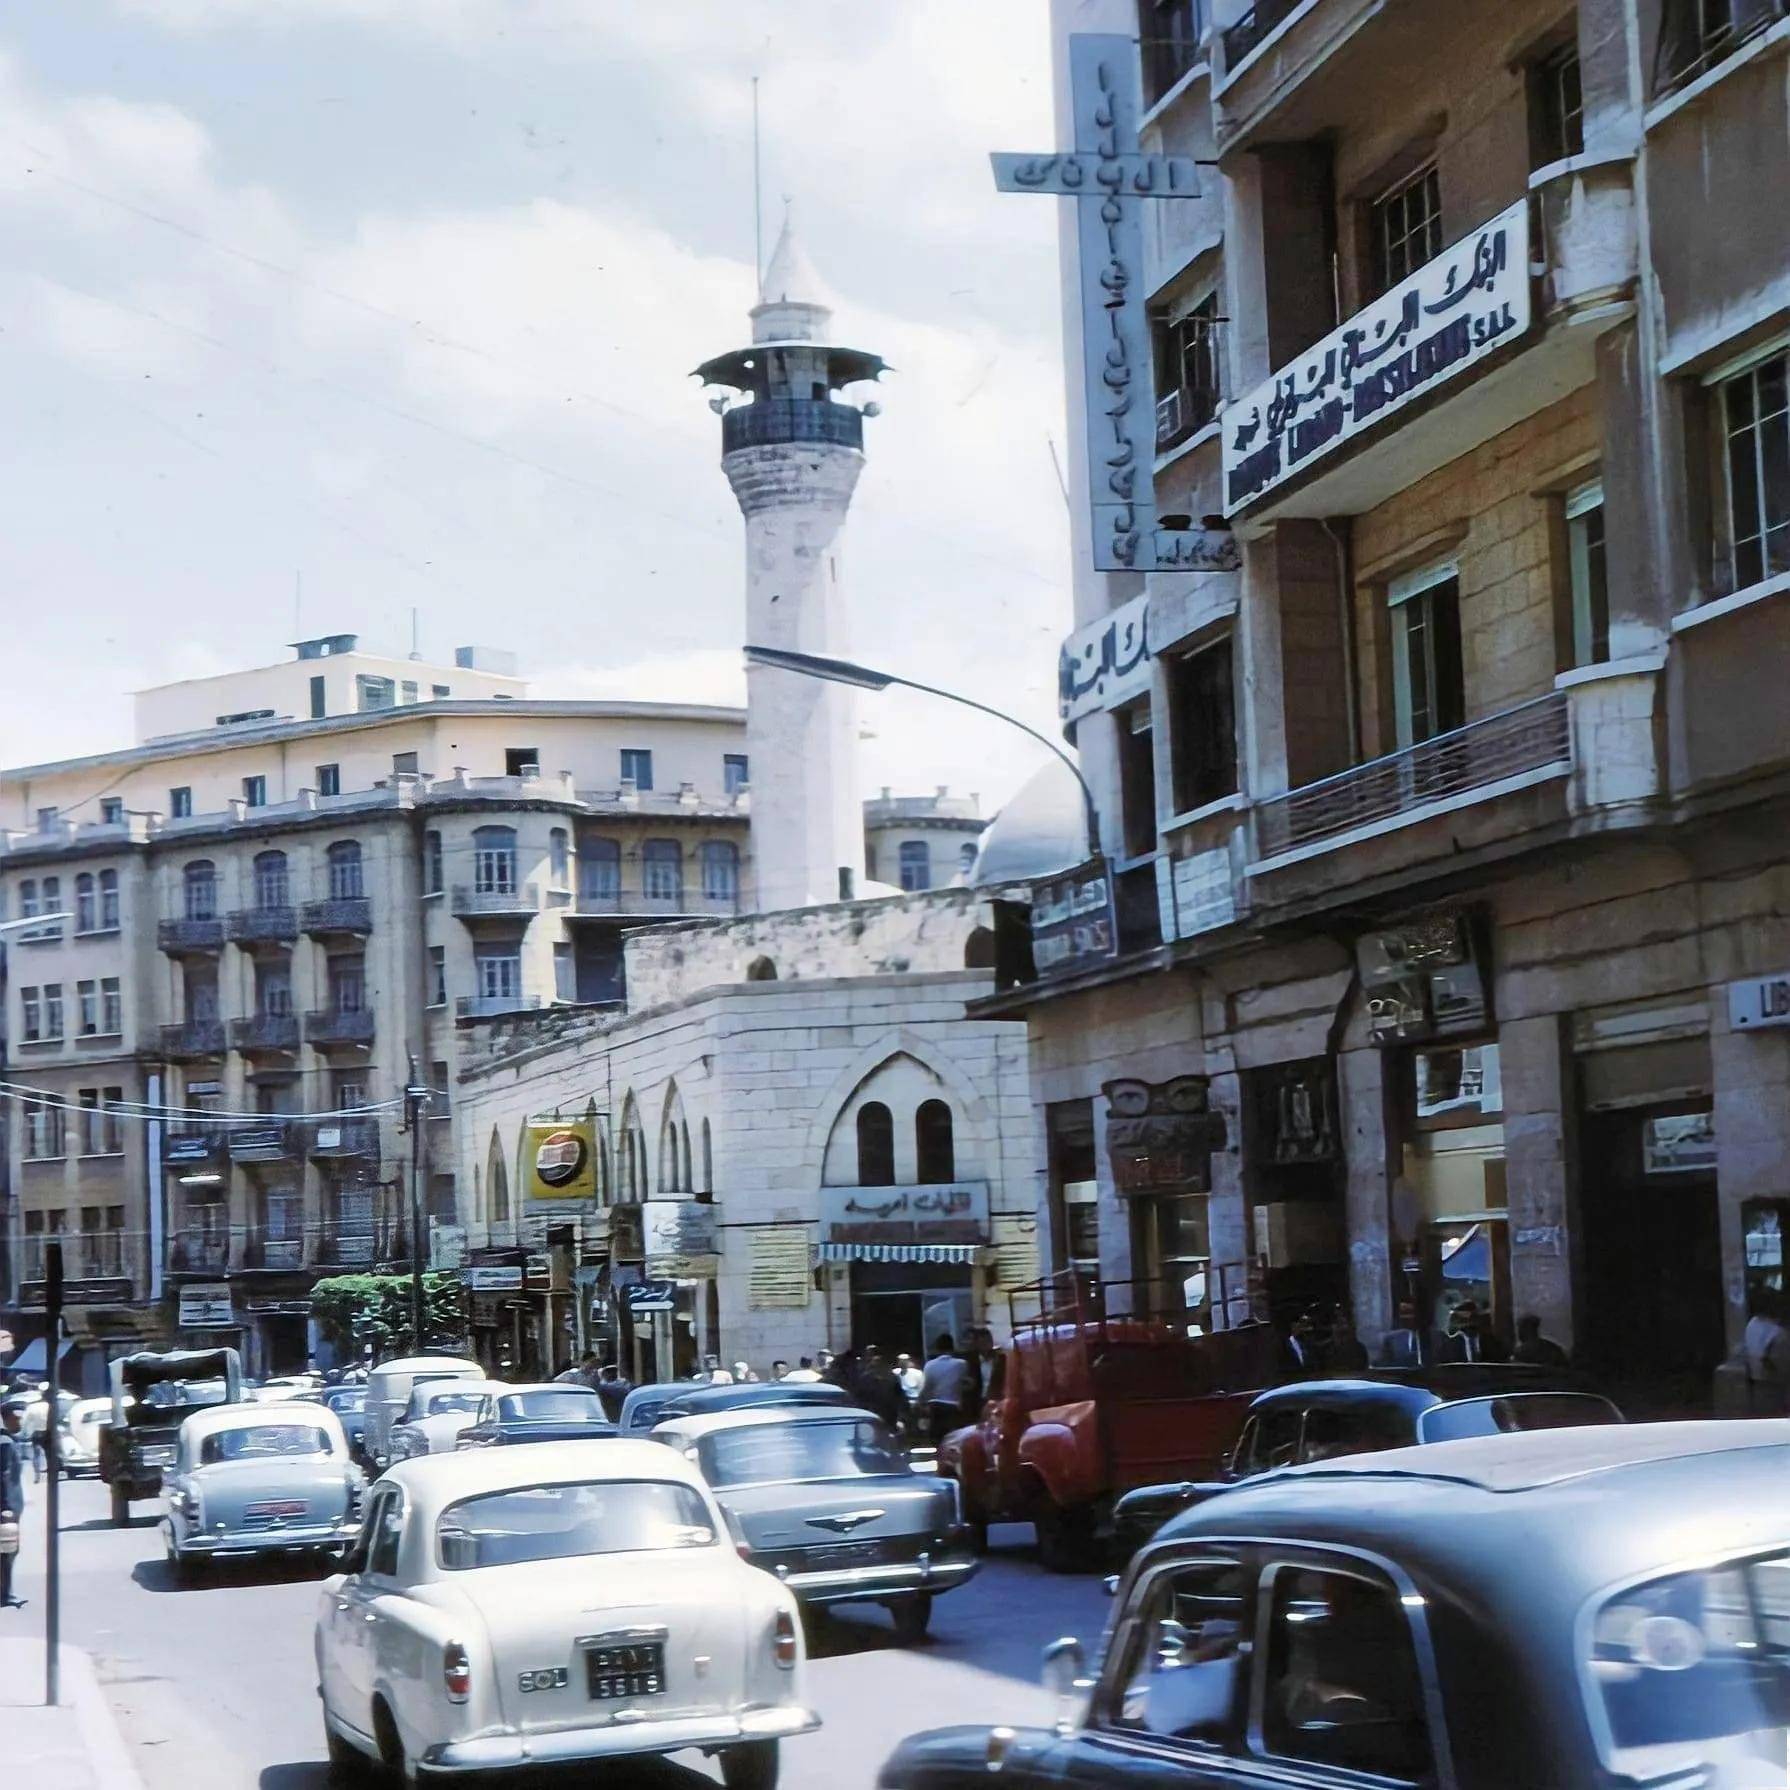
792, 455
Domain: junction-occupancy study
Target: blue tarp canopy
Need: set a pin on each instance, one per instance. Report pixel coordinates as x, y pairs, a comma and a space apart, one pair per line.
1472, 1261
34, 1359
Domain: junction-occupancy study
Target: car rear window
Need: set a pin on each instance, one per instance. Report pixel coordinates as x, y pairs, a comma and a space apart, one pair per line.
1514, 1411
1690, 1675
432, 1404
264, 1441
569, 1522
763, 1453
551, 1407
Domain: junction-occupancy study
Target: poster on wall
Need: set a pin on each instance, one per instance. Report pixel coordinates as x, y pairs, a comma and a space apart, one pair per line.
559, 1159
780, 1277
682, 1240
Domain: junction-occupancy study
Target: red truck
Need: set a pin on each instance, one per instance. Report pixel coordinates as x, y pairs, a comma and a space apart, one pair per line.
1097, 1394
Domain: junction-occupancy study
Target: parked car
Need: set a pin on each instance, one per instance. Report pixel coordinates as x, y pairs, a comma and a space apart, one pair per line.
438, 1412
260, 1479
553, 1412
640, 1409
1318, 1420
389, 1387
705, 1401
824, 1499
1557, 1610
1090, 1401
79, 1439
152, 1395
350, 1406
502, 1612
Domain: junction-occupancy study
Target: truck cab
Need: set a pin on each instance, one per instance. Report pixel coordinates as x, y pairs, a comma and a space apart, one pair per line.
152, 1395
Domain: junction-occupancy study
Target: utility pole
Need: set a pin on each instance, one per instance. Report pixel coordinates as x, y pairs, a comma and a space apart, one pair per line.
416, 1097
53, 1464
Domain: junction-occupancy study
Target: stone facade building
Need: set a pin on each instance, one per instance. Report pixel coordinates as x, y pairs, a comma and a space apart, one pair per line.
920, 842
1447, 829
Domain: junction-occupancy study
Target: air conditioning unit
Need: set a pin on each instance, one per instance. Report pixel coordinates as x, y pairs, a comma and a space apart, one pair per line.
1171, 412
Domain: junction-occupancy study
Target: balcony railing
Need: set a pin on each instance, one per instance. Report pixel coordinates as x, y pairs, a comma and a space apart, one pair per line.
1252, 28
490, 1006
1535, 736
344, 1137
181, 935
261, 1250
602, 903
346, 1248
271, 1142
199, 1252
767, 422
194, 1143
340, 1026
336, 914
265, 1031
473, 903
262, 925
193, 1038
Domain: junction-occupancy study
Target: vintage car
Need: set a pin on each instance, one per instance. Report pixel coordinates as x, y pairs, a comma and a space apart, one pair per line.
824, 1499
152, 1396
1560, 1610
1318, 1420
78, 1442
438, 1412
752, 1395
349, 1404
260, 1479
504, 1611
555, 1412
641, 1408
389, 1387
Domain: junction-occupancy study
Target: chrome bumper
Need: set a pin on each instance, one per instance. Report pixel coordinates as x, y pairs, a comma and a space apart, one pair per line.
501, 1752
908, 1578
270, 1541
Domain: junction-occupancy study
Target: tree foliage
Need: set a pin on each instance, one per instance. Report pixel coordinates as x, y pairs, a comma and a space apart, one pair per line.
357, 1310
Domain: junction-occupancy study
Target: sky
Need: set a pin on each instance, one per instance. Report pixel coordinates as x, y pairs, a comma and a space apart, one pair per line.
317, 312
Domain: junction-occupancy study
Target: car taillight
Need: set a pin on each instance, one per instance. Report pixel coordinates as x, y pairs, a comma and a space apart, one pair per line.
456, 1672
785, 1648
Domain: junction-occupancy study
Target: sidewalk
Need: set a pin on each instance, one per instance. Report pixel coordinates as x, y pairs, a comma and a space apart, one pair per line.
75, 1746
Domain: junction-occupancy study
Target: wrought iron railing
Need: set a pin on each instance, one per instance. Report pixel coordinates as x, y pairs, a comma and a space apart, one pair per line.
470, 901
265, 1031
193, 1038
199, 1252
340, 1025
1531, 737
338, 913
187, 933
766, 422
344, 1137
247, 925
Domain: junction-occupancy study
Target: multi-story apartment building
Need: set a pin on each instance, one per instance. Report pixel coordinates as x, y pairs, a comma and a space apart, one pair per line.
920, 842
1447, 828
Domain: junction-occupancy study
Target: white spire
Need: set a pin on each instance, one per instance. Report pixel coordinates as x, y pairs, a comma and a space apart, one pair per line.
789, 276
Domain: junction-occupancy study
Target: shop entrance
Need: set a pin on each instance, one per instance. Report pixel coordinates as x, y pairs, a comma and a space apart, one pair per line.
900, 1306
1653, 1319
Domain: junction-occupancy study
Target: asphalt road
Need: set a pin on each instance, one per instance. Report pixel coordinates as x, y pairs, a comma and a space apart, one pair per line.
215, 1689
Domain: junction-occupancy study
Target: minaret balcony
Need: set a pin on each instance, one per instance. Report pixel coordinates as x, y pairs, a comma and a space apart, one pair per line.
768, 422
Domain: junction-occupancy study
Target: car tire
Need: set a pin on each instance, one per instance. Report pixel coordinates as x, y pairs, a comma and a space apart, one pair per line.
913, 1616
750, 1766
347, 1764
978, 1528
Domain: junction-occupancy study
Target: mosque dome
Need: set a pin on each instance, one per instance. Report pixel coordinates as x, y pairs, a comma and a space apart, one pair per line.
1042, 829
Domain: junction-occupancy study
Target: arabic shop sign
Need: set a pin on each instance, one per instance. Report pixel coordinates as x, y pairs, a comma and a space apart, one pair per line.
1472, 300
953, 1212
1160, 1137
1105, 663
683, 1240
1073, 924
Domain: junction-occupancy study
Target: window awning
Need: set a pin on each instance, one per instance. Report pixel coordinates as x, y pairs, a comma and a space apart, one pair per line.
964, 1254
32, 1359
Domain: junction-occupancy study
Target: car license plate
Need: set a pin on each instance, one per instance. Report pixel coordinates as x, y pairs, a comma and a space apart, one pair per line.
843, 1553
276, 1507
625, 1668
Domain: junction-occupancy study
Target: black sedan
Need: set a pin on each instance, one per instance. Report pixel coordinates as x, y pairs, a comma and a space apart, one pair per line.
550, 1413
1319, 1420
1559, 1610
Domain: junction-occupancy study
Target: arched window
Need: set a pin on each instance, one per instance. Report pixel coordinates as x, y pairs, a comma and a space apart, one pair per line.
494, 860
199, 885
108, 901
497, 1183
720, 871
273, 886
600, 870
85, 909
916, 864
761, 969
934, 1150
662, 870
978, 949
876, 1145
559, 858
345, 882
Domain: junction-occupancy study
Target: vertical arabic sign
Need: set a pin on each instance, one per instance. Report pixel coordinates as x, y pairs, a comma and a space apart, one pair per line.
1472, 299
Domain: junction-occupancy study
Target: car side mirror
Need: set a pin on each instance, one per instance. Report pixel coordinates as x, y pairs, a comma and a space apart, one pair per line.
1065, 1672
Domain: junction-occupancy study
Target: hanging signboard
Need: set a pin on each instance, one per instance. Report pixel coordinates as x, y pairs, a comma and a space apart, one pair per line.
650, 1298
1105, 663
1470, 302
1072, 919
492, 1280
207, 1307
781, 1275
682, 1239
559, 1158
1759, 1001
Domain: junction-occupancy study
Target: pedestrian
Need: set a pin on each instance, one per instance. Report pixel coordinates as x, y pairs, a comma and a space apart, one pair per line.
1534, 1349
944, 1389
882, 1392
803, 1373
1765, 1346
1347, 1356
907, 1371
584, 1374
1468, 1338
36, 1418
612, 1390
1405, 1346
713, 1373
1307, 1357
743, 1374
12, 1494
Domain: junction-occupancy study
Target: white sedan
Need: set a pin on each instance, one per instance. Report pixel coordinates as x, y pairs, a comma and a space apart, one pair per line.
509, 1608
438, 1411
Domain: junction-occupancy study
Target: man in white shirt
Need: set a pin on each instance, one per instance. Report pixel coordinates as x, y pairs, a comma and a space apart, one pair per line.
803, 1373
945, 1389
909, 1374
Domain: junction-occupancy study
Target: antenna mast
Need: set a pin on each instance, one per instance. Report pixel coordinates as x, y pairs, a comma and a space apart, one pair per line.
757, 203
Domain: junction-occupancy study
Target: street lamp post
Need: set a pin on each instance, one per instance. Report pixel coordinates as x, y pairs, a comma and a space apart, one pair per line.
862, 677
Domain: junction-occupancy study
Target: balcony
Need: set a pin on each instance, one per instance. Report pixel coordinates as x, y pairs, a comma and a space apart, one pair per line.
494, 1006
263, 926
521, 902
332, 1138
1256, 25
193, 1040
265, 1032
1485, 758
337, 916
346, 1248
194, 1144
185, 936
770, 422
272, 1252
258, 1141
352, 1025
199, 1252
613, 904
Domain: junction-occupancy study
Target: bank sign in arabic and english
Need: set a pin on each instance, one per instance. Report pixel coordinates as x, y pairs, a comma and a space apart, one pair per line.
1469, 302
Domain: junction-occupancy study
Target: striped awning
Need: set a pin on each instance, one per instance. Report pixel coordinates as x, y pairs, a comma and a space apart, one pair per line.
964, 1254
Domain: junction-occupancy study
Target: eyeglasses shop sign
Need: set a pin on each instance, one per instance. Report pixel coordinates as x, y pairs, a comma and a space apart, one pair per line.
1472, 300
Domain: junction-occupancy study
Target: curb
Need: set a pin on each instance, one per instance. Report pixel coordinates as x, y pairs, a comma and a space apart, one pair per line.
112, 1764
